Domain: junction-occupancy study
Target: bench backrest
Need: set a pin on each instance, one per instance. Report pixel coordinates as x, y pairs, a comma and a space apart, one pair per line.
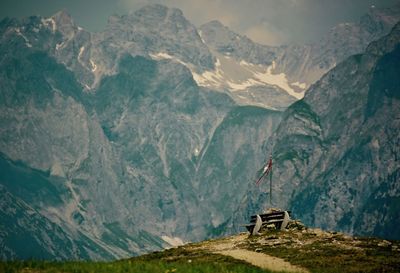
266, 217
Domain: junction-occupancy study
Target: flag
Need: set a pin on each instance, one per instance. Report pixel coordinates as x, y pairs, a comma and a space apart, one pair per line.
266, 171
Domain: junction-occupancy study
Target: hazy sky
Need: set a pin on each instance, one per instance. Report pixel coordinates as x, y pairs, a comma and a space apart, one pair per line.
266, 21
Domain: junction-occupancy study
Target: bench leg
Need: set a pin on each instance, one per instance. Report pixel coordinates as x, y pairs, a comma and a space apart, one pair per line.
257, 226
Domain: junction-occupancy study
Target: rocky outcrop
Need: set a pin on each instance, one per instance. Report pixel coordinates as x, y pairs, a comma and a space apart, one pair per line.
336, 151
308, 63
223, 40
126, 163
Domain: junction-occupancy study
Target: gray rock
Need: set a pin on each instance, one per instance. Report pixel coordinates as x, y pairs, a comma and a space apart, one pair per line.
335, 151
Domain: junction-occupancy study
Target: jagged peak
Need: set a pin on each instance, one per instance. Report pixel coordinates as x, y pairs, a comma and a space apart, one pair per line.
157, 12
151, 15
63, 17
216, 29
154, 9
379, 16
213, 24
151, 8
386, 43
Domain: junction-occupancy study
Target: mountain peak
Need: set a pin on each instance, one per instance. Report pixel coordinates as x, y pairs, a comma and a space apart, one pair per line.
380, 19
61, 21
214, 32
213, 24
158, 12
158, 29
63, 18
386, 43
155, 9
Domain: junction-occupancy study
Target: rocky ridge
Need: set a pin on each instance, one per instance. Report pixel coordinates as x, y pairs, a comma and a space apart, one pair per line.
336, 151
308, 63
114, 153
296, 249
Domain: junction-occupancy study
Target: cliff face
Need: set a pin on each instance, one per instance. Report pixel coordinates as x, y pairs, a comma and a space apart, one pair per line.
118, 168
146, 135
308, 63
336, 151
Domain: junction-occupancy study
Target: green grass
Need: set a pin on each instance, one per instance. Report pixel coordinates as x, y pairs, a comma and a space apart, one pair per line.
324, 255
176, 260
124, 267
319, 253
187, 260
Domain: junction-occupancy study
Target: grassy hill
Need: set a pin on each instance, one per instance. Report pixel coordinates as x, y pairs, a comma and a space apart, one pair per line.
307, 250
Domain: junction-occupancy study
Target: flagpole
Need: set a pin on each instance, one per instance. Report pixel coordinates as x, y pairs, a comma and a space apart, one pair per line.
270, 188
267, 171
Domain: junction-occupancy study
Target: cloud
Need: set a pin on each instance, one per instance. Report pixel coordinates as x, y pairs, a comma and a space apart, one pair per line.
264, 21
266, 35
198, 12
270, 21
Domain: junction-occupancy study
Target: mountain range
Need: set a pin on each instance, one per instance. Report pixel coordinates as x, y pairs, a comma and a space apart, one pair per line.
149, 133
336, 151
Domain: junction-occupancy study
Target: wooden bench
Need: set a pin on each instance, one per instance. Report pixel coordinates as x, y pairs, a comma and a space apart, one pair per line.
279, 219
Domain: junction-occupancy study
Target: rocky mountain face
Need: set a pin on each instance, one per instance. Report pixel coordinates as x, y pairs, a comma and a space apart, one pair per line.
336, 152
132, 139
308, 63
221, 39
155, 29
104, 160
290, 69
252, 73
244, 69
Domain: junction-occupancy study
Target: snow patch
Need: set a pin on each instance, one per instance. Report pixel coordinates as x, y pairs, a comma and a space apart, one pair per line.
18, 31
375, 144
300, 85
217, 63
236, 76
81, 50
244, 63
205, 79
214, 78
279, 80
94, 66
242, 86
60, 45
165, 56
131, 171
173, 241
245, 75
201, 37
161, 56
57, 169
50, 23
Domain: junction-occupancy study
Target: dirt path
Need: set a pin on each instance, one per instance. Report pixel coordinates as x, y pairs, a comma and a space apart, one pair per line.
231, 247
262, 260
